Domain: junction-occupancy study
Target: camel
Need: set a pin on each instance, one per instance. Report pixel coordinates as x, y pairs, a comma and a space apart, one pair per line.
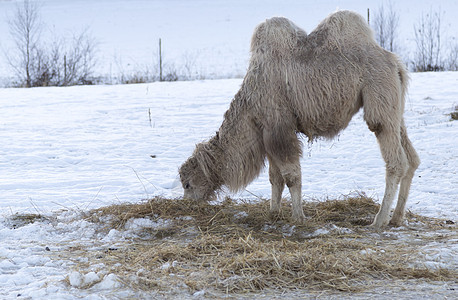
309, 84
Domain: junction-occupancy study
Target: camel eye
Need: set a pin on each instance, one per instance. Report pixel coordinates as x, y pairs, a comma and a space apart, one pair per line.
186, 185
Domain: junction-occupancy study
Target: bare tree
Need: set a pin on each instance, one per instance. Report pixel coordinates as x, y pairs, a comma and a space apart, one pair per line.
25, 28
392, 26
385, 25
379, 26
72, 62
63, 61
428, 33
452, 57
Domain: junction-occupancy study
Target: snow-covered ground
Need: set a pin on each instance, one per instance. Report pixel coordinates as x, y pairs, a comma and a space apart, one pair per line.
76, 148
64, 151
83, 147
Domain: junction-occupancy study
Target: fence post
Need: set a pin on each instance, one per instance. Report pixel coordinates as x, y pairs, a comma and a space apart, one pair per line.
160, 61
65, 70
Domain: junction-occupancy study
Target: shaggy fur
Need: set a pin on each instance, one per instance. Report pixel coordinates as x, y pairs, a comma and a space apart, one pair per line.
310, 84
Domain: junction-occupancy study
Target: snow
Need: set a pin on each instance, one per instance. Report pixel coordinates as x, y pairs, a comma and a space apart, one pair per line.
75, 279
67, 150
109, 282
168, 265
93, 145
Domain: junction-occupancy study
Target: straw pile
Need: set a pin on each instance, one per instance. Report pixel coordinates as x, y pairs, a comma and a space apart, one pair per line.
238, 247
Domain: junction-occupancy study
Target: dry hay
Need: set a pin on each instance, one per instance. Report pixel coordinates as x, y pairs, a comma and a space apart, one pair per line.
454, 114
18, 220
237, 246
241, 215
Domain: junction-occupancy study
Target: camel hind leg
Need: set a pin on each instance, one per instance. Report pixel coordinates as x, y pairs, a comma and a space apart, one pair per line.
383, 110
406, 181
396, 162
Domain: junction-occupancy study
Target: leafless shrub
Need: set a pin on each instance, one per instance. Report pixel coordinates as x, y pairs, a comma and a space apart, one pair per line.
189, 71
77, 61
170, 74
25, 28
452, 58
144, 73
428, 35
133, 72
385, 25
64, 61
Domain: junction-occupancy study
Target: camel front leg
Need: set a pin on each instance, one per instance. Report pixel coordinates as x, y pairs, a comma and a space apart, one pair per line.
296, 198
283, 149
292, 175
278, 184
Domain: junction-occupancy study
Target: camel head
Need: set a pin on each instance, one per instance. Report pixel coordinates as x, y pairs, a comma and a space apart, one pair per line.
195, 183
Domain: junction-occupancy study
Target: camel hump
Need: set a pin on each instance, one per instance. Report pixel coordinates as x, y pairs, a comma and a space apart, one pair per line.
277, 34
280, 36
347, 25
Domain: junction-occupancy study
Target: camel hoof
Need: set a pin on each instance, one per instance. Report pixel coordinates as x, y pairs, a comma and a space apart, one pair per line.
395, 223
377, 226
274, 214
300, 219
